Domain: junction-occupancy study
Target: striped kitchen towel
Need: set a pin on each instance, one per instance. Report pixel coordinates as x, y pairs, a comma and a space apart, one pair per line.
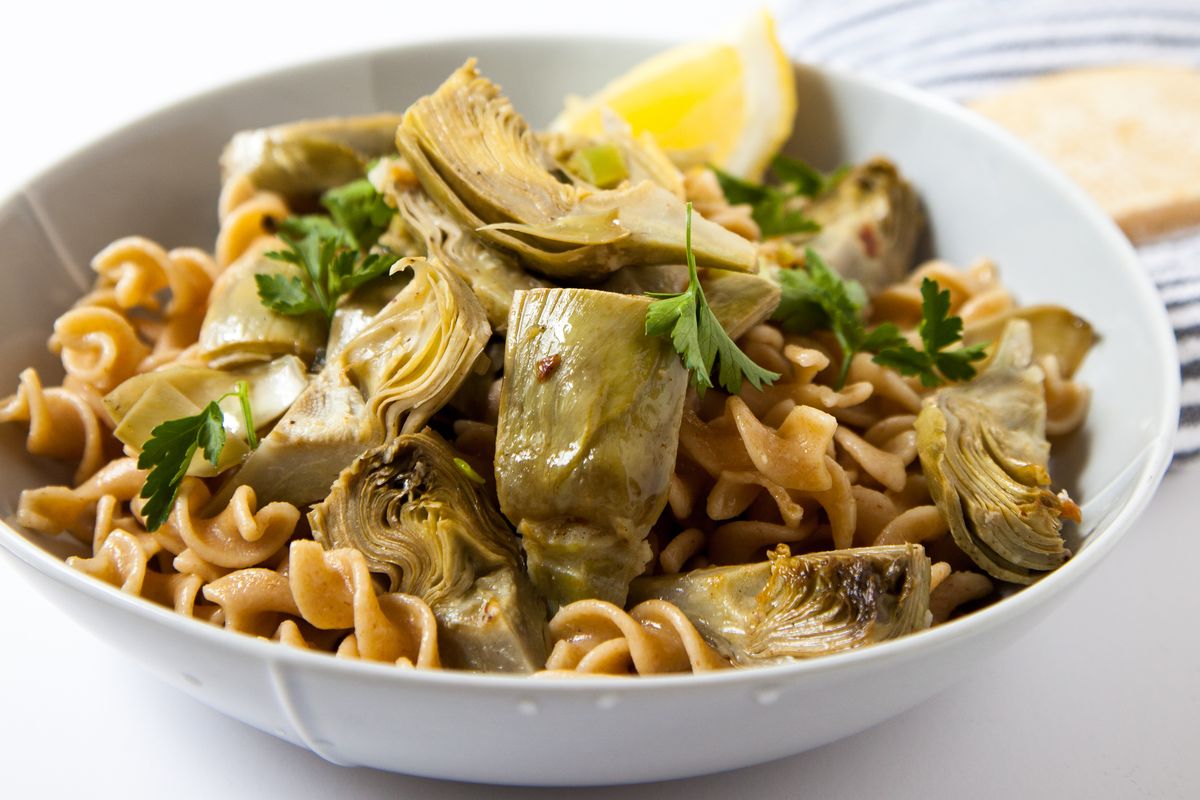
964, 49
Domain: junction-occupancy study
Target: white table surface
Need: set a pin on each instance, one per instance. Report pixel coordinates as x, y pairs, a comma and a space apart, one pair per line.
1100, 701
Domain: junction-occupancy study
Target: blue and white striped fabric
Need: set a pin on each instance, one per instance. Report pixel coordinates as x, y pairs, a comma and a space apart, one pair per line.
964, 49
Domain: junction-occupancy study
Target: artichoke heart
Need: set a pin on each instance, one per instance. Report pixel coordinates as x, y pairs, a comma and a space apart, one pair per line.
491, 274
145, 401
984, 452
477, 159
299, 160
419, 519
1055, 331
390, 378
589, 424
870, 222
238, 328
802, 606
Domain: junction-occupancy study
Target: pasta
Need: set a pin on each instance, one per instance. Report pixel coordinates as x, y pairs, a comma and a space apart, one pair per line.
397, 429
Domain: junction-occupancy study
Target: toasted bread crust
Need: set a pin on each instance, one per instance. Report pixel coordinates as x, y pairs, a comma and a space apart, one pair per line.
1130, 135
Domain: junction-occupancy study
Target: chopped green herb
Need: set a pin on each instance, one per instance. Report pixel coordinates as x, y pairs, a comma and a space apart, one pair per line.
360, 211
816, 297
773, 207
172, 444
938, 330
600, 165
329, 268
698, 336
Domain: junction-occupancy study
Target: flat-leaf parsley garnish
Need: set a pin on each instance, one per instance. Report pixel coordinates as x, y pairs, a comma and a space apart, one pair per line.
698, 336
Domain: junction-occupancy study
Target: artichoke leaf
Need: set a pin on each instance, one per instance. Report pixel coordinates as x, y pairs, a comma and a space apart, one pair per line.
143, 402
870, 222
388, 379
491, 274
433, 532
792, 607
356, 312
477, 158
238, 328
590, 410
1055, 330
984, 453
300, 160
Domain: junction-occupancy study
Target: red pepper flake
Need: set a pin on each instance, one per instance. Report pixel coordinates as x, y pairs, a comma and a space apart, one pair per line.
547, 365
870, 242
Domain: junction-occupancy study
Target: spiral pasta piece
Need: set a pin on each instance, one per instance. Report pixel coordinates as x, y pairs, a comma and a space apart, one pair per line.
333, 589
98, 346
594, 636
62, 424
244, 214
240, 536
122, 561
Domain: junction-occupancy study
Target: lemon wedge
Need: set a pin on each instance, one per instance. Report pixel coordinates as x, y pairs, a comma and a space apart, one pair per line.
728, 103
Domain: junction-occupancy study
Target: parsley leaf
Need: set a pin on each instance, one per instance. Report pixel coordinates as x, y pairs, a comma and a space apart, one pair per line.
698, 336
938, 330
816, 297
360, 211
328, 269
773, 207
172, 445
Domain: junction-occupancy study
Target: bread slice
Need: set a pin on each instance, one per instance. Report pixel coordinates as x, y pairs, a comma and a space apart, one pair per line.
1130, 135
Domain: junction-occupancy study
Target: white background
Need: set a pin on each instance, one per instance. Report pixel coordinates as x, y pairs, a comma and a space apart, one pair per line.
1102, 700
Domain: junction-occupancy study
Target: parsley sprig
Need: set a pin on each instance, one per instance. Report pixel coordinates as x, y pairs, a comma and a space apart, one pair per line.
329, 268
698, 336
172, 444
818, 298
360, 211
773, 207
331, 252
938, 330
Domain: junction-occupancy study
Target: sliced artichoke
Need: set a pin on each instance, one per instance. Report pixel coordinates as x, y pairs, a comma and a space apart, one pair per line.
585, 448
870, 221
984, 452
387, 380
801, 606
421, 520
299, 160
143, 402
1055, 331
478, 160
492, 275
355, 313
238, 328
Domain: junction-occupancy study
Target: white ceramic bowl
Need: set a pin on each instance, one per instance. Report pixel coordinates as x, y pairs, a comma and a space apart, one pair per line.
985, 195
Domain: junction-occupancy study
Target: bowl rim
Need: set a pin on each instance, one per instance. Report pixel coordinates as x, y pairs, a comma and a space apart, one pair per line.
1154, 458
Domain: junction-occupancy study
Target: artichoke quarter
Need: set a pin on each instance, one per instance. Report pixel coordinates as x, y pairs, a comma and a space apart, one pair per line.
802, 606
870, 222
390, 378
425, 523
589, 424
492, 275
299, 160
478, 159
984, 452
